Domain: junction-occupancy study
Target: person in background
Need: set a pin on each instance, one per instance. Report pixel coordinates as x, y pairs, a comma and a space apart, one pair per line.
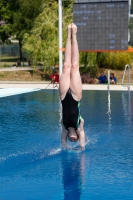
83, 77
54, 77
29, 62
14, 65
89, 80
18, 63
70, 90
86, 78
113, 79
103, 78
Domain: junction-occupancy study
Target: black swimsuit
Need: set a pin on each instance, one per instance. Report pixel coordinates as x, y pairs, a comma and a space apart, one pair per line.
70, 111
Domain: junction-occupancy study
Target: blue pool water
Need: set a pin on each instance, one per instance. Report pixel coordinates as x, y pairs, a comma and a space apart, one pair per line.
32, 164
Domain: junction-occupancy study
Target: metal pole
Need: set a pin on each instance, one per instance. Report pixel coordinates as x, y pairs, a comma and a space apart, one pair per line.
124, 75
129, 7
108, 79
60, 35
109, 109
128, 78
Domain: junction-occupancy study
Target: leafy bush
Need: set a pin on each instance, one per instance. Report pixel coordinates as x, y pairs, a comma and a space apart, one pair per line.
116, 60
89, 62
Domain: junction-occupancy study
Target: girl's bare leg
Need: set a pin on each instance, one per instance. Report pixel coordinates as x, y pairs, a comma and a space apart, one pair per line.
75, 81
64, 83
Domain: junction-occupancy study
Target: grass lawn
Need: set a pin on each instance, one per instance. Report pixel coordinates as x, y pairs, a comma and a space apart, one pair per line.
6, 61
9, 61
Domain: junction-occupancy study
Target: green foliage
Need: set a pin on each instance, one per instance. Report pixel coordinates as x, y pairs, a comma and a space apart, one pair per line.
116, 60
1, 75
89, 61
42, 44
5, 15
19, 16
24, 16
35, 25
67, 17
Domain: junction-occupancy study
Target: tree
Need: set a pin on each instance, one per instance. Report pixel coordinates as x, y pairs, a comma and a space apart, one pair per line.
19, 16
6, 15
24, 18
41, 43
88, 61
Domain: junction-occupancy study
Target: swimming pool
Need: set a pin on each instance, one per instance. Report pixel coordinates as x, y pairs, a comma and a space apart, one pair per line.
32, 164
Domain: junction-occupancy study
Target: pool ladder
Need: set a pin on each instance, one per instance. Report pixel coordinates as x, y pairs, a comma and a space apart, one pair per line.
128, 86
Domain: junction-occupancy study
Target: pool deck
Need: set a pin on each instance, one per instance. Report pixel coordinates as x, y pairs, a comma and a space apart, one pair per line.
48, 85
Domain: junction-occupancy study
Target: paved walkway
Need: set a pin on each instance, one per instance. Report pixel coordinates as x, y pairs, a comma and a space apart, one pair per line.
15, 69
47, 85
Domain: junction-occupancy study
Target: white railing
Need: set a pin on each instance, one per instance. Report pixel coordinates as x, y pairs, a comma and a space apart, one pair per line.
127, 66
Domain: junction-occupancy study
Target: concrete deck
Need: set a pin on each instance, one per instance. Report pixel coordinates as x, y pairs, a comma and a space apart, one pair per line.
47, 85
13, 91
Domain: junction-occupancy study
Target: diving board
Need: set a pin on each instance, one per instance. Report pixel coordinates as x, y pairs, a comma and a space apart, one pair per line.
14, 91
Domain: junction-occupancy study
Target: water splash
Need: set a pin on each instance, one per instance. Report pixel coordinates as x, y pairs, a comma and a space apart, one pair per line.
27, 157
